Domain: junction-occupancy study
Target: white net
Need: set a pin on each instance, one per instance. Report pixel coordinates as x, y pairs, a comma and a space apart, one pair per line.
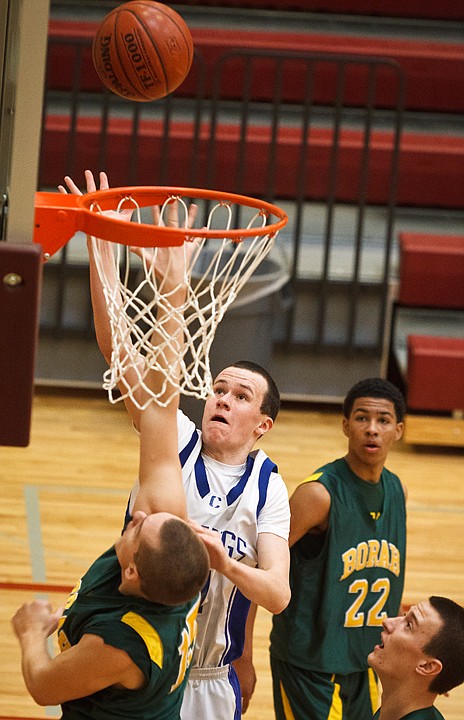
134, 289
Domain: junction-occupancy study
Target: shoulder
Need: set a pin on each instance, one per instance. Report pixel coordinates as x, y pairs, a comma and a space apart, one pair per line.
104, 569
185, 426
319, 483
267, 471
329, 472
437, 714
309, 509
312, 491
189, 441
310, 505
394, 483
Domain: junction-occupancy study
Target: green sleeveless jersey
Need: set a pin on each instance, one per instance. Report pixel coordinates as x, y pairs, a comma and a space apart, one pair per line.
430, 713
158, 638
345, 581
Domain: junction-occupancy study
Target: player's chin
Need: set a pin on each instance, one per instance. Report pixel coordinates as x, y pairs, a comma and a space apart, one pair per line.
373, 657
213, 427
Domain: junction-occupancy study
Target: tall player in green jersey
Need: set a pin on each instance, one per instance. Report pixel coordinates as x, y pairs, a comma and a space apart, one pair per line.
127, 632
348, 548
420, 655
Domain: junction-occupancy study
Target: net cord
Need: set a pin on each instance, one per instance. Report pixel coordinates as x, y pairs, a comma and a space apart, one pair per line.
133, 293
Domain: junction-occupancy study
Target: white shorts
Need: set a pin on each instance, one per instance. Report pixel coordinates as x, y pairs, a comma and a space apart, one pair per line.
212, 694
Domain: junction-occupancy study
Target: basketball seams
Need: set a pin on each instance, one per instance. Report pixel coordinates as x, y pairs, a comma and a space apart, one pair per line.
142, 55
108, 27
138, 88
172, 17
131, 84
153, 45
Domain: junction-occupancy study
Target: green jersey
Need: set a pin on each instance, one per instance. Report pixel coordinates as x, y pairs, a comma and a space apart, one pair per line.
430, 713
345, 581
158, 638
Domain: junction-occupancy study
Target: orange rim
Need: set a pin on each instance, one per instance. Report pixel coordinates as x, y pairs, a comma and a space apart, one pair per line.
58, 217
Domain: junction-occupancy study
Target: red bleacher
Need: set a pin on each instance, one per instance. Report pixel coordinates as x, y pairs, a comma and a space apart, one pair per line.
431, 169
435, 373
431, 172
431, 270
417, 9
434, 70
432, 276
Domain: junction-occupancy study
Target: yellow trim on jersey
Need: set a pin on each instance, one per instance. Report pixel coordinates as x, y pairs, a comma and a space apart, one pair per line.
336, 709
373, 690
148, 634
288, 712
314, 476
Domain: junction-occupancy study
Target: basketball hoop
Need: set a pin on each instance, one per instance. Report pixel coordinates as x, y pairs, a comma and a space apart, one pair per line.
236, 235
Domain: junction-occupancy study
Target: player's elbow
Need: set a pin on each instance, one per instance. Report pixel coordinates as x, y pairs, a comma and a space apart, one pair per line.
280, 601
43, 691
42, 696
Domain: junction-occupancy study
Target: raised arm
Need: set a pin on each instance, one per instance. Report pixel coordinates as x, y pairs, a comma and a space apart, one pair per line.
101, 319
159, 469
100, 312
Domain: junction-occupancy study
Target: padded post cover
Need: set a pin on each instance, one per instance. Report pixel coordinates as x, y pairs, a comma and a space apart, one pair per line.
435, 373
431, 270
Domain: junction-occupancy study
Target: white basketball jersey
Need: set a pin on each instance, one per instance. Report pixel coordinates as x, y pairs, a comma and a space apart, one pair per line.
239, 502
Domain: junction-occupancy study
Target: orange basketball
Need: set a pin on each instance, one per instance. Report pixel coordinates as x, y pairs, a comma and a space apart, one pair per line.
142, 50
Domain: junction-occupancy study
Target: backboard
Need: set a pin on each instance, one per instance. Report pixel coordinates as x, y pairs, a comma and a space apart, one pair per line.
23, 40
20, 278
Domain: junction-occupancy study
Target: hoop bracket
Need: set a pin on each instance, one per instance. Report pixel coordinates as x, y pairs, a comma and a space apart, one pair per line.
58, 217
55, 220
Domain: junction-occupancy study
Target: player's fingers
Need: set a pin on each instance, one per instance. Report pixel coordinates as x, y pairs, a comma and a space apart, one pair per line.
192, 213
140, 252
71, 185
155, 213
104, 183
196, 526
173, 214
90, 181
58, 612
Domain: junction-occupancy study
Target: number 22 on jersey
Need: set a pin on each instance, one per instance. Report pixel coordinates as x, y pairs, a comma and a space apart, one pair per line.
355, 616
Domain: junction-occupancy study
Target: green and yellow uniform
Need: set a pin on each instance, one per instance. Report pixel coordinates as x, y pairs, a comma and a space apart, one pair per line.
344, 582
430, 713
158, 638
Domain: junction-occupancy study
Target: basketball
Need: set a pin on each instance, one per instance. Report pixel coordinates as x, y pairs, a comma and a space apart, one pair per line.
142, 50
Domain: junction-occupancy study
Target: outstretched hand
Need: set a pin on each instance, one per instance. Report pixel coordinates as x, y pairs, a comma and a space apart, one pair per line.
92, 187
170, 261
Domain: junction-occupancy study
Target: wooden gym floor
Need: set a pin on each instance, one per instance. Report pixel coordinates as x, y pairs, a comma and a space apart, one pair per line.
62, 501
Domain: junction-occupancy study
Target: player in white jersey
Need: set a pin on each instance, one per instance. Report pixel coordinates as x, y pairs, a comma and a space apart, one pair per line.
237, 503
240, 505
